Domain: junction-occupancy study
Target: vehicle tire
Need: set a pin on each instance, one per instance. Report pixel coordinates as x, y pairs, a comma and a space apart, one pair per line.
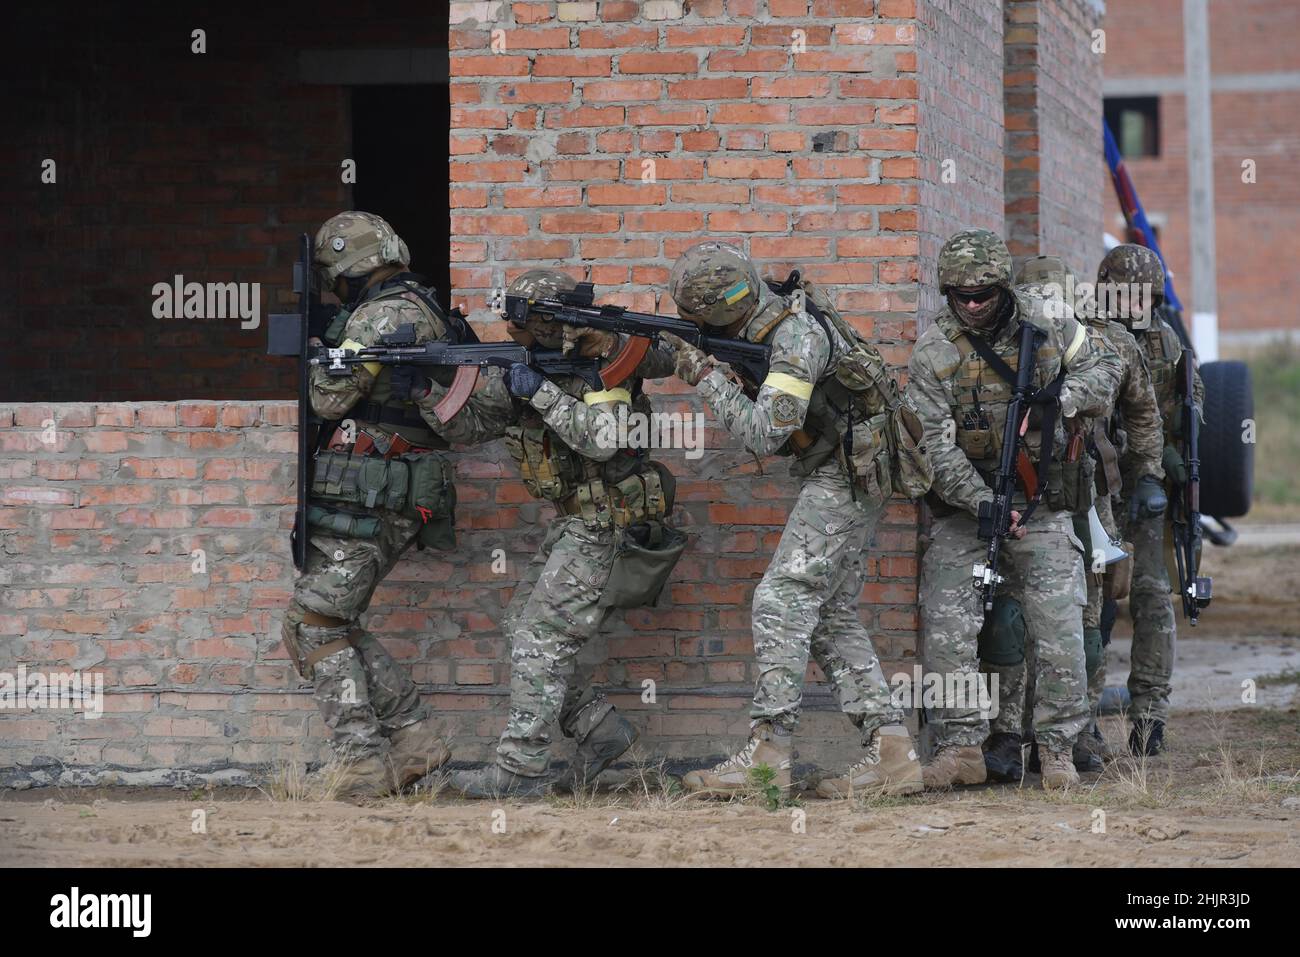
1227, 461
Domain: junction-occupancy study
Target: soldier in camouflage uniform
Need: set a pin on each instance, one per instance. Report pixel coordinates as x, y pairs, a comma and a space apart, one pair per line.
962, 401
807, 602
1152, 658
364, 512
558, 434
1048, 276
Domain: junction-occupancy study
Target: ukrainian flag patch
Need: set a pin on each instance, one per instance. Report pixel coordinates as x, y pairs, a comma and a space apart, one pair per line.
737, 292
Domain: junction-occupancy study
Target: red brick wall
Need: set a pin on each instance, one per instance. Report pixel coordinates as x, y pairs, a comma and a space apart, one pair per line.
959, 67
1054, 170
1257, 225
101, 513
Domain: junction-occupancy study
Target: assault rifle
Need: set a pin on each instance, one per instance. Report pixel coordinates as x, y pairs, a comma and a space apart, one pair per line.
576, 308
400, 349
995, 517
1185, 507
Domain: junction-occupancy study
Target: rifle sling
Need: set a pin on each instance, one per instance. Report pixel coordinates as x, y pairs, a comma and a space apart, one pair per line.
1046, 397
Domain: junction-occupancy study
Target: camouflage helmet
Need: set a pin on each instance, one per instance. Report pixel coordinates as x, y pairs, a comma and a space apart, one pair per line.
354, 244
1043, 271
1131, 263
541, 284
974, 257
715, 284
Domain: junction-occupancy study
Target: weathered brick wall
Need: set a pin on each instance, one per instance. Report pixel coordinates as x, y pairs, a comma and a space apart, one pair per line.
959, 69
102, 509
1052, 95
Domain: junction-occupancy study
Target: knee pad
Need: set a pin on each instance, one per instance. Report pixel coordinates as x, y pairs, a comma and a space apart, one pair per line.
1092, 650
1002, 639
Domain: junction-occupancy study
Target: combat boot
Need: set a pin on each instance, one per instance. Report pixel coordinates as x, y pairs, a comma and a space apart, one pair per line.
768, 745
1002, 757
417, 751
1089, 751
353, 779
953, 766
601, 747
889, 767
495, 781
1058, 770
1147, 737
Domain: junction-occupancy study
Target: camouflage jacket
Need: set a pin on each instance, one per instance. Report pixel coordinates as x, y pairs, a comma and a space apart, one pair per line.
802, 357
962, 402
566, 434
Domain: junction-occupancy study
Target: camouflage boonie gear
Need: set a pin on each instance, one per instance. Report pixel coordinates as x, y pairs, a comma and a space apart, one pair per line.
715, 284
354, 244
974, 257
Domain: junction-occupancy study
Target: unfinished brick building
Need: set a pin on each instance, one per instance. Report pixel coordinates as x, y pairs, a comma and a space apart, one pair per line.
844, 137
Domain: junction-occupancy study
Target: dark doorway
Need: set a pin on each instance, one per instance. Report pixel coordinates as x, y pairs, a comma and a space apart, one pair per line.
399, 140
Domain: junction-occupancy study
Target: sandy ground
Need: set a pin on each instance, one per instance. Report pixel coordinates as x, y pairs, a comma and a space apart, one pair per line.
1226, 794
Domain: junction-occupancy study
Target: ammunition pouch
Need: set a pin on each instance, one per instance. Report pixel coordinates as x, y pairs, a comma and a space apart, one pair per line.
1069, 487
645, 556
645, 496
417, 485
1002, 639
911, 471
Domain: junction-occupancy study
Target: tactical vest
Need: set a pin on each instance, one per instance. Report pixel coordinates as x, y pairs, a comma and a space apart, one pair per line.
980, 408
347, 489
624, 490
1163, 350
381, 409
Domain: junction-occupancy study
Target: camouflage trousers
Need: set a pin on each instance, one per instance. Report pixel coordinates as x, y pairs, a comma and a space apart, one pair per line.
1151, 606
807, 603
554, 612
1044, 571
363, 694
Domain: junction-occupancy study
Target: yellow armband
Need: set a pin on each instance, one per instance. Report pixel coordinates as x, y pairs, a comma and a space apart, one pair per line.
608, 395
789, 384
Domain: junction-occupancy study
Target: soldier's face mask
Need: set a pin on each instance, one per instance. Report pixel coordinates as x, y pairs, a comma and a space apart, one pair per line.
976, 305
548, 335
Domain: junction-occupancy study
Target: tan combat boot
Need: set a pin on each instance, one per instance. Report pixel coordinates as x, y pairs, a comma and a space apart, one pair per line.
952, 766
351, 779
889, 767
767, 745
1058, 770
417, 750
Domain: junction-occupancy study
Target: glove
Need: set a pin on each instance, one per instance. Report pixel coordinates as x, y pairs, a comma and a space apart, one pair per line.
408, 382
1175, 468
590, 343
1149, 500
523, 381
692, 365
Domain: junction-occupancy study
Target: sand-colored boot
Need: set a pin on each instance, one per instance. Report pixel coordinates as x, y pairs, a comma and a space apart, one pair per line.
417, 750
1058, 769
352, 779
952, 766
890, 766
768, 745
